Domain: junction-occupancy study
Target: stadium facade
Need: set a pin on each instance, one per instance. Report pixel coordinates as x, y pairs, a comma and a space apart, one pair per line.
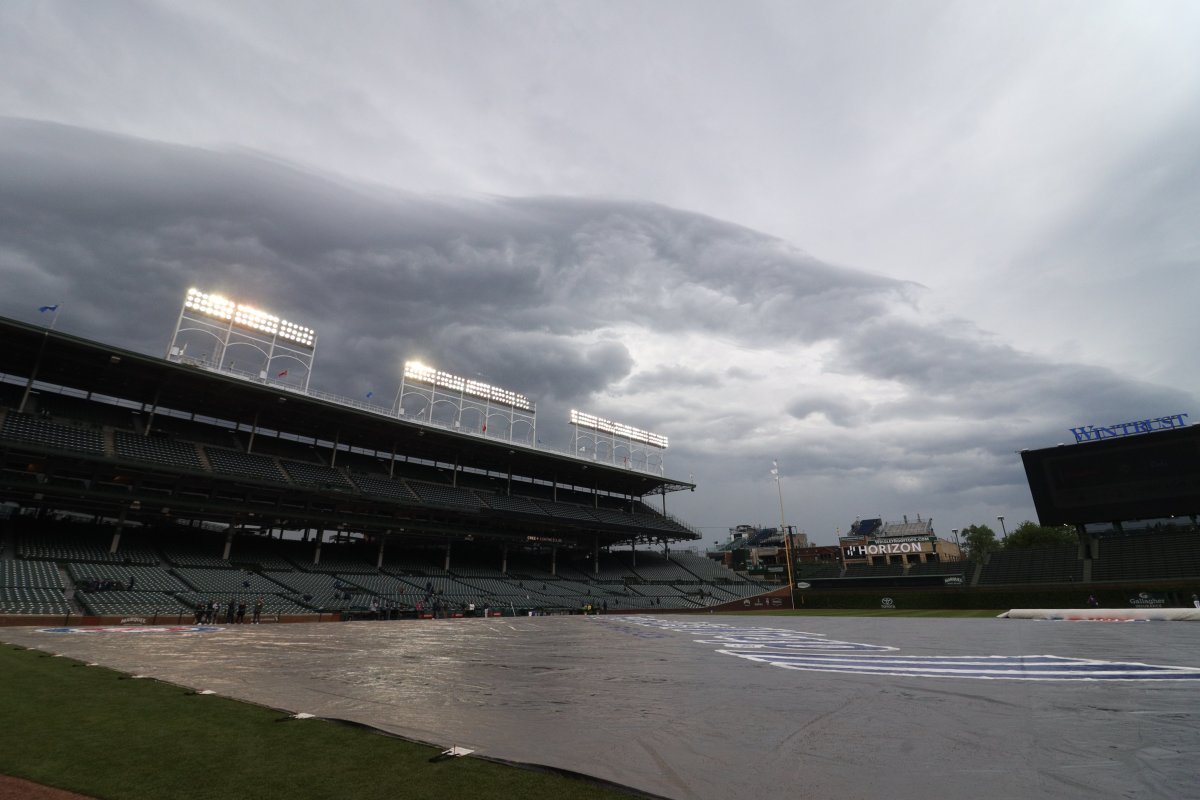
177, 464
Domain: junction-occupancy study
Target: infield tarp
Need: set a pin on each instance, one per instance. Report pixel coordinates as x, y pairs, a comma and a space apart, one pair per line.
727, 706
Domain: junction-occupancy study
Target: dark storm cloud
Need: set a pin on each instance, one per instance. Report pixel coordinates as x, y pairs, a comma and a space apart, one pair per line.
952, 370
738, 346
101, 221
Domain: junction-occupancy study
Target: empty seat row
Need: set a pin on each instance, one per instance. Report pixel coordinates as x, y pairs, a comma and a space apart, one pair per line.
27, 428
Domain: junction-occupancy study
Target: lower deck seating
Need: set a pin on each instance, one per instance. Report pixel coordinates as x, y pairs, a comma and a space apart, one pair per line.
27, 600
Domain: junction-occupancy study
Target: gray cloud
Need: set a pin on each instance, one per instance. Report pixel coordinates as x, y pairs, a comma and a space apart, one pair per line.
739, 346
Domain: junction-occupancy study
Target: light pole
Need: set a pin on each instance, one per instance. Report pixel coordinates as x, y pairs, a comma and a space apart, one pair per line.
1004, 533
787, 541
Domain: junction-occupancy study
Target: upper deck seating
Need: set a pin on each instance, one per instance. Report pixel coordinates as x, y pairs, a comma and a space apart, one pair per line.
307, 474
440, 494
513, 503
231, 462
157, 450
36, 430
385, 487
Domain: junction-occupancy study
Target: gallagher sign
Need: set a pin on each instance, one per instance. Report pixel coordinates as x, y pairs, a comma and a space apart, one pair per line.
1090, 433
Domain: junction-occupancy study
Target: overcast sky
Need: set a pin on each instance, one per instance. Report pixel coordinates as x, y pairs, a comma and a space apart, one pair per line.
888, 244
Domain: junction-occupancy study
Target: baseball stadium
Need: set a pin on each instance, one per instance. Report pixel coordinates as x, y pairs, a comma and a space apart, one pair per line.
413, 596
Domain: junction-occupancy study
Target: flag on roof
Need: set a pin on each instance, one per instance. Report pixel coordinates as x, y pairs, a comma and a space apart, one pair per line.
44, 309
370, 395
282, 374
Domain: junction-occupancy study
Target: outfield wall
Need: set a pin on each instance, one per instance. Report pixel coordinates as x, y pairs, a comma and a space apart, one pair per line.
1038, 596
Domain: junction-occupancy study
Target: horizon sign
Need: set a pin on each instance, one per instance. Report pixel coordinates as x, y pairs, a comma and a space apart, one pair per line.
1092, 433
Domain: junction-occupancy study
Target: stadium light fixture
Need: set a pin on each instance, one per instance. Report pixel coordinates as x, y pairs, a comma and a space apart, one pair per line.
233, 324
242, 315
416, 372
617, 429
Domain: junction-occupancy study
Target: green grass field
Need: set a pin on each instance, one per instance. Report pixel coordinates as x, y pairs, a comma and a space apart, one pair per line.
101, 733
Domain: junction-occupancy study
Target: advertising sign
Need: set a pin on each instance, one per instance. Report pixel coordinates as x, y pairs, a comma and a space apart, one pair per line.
885, 549
1148, 600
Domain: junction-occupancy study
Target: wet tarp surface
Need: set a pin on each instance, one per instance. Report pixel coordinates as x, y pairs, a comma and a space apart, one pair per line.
729, 706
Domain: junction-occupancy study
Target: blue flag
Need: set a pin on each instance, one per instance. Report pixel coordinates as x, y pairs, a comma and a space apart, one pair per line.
44, 309
370, 395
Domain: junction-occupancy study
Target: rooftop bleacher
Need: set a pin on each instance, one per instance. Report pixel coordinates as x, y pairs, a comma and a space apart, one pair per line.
918, 528
866, 527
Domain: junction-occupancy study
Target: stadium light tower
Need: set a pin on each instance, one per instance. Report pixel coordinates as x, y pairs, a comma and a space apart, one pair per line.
617, 435
461, 395
787, 542
1003, 532
233, 324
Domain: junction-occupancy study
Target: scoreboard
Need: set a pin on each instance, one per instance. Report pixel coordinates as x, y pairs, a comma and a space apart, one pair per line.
1150, 476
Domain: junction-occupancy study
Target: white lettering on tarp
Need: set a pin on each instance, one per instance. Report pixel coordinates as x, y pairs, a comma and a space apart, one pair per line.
775, 638
799, 650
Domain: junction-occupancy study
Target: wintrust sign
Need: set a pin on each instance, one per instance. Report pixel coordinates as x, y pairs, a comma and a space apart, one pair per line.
1093, 433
